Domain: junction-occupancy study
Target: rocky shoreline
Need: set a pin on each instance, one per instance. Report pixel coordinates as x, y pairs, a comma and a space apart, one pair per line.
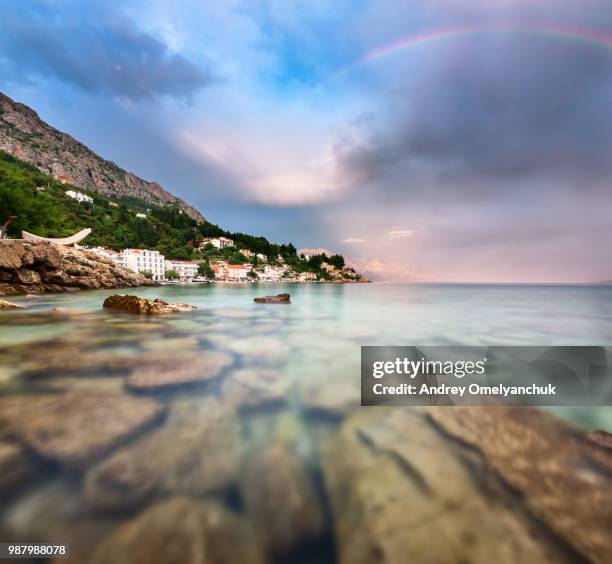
34, 268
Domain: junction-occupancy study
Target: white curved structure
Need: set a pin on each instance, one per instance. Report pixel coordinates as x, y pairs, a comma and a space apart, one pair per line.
72, 240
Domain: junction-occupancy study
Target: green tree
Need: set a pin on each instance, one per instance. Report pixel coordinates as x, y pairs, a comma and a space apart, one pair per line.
172, 275
204, 269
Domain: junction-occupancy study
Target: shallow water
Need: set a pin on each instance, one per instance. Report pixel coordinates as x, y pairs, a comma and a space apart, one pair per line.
307, 355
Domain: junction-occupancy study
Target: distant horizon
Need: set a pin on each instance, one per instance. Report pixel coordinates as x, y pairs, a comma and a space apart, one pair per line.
424, 142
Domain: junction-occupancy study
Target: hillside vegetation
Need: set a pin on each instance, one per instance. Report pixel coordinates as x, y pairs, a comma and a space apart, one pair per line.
41, 206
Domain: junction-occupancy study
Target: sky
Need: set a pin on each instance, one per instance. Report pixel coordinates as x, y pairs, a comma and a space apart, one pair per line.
426, 140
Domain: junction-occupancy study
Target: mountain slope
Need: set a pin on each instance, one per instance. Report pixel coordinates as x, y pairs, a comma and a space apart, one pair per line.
25, 136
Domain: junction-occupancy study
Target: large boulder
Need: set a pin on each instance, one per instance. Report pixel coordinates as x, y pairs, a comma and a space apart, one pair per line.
74, 428
136, 304
278, 299
36, 267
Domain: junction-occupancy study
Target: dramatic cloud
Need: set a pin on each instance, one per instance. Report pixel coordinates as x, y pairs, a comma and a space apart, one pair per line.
94, 49
478, 151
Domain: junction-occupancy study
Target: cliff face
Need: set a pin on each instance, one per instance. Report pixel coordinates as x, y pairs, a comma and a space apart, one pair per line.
30, 268
25, 136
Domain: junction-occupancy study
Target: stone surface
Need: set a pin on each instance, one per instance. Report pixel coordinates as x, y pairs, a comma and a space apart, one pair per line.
278, 299
602, 438
136, 304
25, 136
181, 531
564, 479
280, 498
8, 305
194, 452
16, 467
33, 268
335, 398
176, 369
250, 388
401, 490
74, 428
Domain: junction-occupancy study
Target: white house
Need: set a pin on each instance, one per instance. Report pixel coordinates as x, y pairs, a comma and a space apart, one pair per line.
307, 277
246, 253
187, 269
218, 242
141, 215
143, 260
262, 258
272, 273
238, 272
79, 196
110, 254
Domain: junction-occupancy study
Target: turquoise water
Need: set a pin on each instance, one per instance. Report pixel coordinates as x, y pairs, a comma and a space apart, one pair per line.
318, 337
300, 361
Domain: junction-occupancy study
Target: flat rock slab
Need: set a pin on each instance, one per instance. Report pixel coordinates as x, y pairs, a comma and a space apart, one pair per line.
403, 490
181, 531
278, 299
564, 479
251, 388
74, 428
136, 304
196, 451
280, 498
178, 369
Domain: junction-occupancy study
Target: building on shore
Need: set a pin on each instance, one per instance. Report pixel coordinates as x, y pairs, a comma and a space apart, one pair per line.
272, 273
238, 272
144, 260
186, 269
217, 242
79, 196
307, 277
246, 253
110, 254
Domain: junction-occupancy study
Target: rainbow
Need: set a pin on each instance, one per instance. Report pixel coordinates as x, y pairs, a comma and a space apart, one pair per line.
592, 37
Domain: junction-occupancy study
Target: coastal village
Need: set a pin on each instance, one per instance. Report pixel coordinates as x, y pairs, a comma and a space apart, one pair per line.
254, 267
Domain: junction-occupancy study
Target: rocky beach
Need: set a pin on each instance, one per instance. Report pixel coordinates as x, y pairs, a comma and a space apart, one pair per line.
33, 268
210, 434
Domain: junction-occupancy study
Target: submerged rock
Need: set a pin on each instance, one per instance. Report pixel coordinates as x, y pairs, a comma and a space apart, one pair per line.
136, 304
74, 427
602, 438
178, 369
249, 388
280, 498
564, 479
9, 305
278, 299
181, 531
402, 489
16, 467
196, 451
